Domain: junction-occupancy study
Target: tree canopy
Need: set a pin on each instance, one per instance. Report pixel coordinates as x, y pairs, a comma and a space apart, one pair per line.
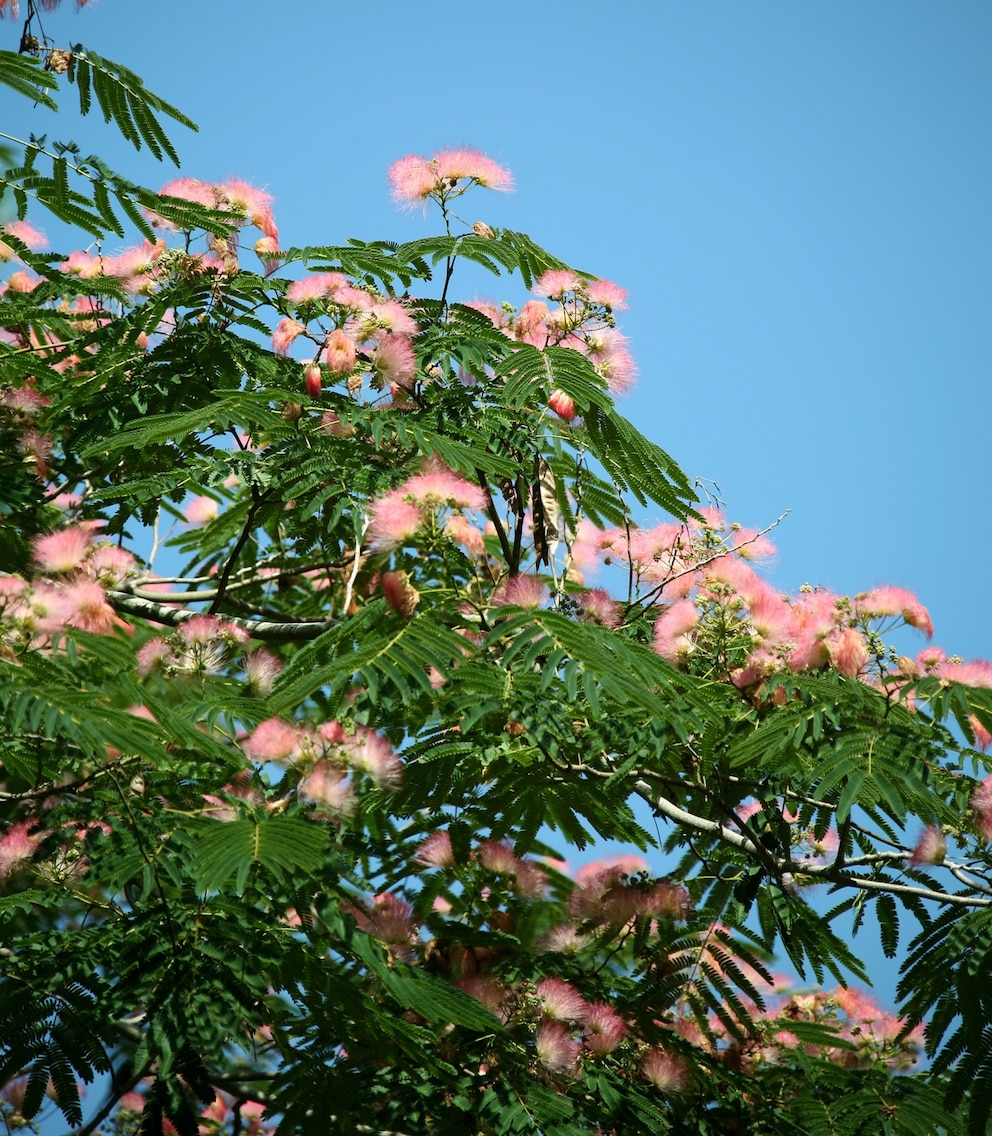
286, 825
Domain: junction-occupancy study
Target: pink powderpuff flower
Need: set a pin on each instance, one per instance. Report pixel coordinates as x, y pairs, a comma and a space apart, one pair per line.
85, 265
394, 361
556, 283
156, 654
88, 608
203, 629
521, 591
604, 1029
981, 803
201, 510
890, 600
599, 607
848, 653
752, 545
665, 901
393, 520
286, 332
672, 633
189, 189
412, 179
17, 846
314, 288
560, 1000
62, 551
329, 785
626, 863
253, 204
473, 165
608, 350
487, 991
261, 670
391, 316
556, 1049
463, 532
22, 281
530, 879
134, 261
30, 236
339, 352
497, 856
770, 615
664, 1070
371, 753
606, 293
857, 1005
110, 565
274, 740
436, 851
390, 920
531, 325
438, 485
931, 848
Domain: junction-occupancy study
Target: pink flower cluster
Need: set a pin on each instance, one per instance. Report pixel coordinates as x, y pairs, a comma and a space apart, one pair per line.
370, 332
581, 318
245, 203
80, 569
200, 645
703, 571
399, 514
416, 180
330, 757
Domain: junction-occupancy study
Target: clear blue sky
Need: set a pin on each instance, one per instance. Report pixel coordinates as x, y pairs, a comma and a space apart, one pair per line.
798, 198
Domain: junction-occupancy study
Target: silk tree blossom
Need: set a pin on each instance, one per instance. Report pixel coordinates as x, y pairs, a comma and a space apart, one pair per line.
339, 352
664, 1070
981, 805
463, 532
604, 1029
316, 288
371, 753
275, 740
521, 591
285, 335
415, 180
24, 232
930, 848
261, 670
557, 1050
894, 601
62, 551
389, 918
436, 851
330, 787
17, 846
560, 1000
673, 638
201, 510
439, 485
393, 520
394, 362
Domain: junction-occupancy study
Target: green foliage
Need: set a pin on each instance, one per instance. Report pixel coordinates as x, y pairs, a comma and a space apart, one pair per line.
286, 824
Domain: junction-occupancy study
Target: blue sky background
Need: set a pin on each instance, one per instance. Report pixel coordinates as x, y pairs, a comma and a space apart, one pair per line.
796, 196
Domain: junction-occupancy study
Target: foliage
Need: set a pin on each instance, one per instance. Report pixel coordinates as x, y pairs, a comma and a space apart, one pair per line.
282, 826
